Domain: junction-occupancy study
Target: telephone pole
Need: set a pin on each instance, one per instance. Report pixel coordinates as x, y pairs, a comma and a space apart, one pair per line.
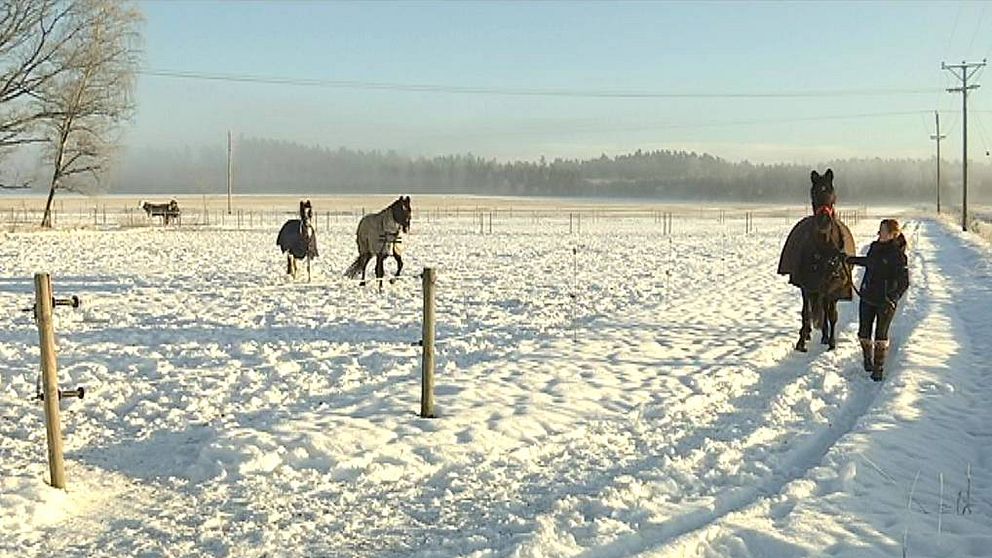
938, 137
963, 72
230, 172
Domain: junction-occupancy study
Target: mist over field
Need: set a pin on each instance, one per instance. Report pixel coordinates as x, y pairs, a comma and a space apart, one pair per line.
264, 166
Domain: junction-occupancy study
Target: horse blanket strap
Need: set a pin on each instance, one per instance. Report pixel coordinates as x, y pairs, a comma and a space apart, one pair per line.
379, 234
790, 260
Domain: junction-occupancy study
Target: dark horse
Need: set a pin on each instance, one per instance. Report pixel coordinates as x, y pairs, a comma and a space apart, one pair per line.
381, 235
167, 211
298, 239
814, 258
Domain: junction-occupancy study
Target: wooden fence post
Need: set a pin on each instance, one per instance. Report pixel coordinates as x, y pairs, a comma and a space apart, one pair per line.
49, 371
427, 340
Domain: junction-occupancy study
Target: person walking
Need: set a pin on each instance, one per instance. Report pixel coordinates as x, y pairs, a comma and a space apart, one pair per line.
885, 280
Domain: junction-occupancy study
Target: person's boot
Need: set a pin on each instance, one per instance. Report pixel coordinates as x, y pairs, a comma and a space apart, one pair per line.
878, 368
866, 353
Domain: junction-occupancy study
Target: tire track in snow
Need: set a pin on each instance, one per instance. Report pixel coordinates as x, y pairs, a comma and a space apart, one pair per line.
679, 531
598, 473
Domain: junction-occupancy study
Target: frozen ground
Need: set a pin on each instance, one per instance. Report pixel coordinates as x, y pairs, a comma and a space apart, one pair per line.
617, 392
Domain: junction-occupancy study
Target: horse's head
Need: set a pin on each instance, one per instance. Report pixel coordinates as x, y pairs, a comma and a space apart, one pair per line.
822, 193
306, 215
306, 211
402, 212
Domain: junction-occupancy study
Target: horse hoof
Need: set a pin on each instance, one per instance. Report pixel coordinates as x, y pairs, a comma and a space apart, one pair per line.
361, 283
801, 347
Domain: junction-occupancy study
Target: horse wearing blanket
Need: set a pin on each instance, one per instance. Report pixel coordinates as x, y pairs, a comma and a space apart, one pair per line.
167, 211
814, 258
298, 239
381, 235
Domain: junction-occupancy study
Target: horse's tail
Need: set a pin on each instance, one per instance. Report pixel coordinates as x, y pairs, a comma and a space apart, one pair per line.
355, 269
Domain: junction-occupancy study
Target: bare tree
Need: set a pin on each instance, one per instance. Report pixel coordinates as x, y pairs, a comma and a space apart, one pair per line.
32, 32
87, 101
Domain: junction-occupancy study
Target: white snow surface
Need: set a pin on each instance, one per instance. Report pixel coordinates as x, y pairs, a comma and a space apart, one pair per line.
615, 392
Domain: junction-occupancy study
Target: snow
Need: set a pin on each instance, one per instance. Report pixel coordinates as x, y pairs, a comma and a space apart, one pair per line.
616, 392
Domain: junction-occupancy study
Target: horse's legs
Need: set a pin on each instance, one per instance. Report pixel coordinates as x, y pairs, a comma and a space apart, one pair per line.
308, 268
831, 311
364, 263
824, 320
399, 266
289, 263
805, 329
380, 269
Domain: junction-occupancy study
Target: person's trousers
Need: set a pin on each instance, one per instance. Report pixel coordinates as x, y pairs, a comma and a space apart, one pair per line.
880, 317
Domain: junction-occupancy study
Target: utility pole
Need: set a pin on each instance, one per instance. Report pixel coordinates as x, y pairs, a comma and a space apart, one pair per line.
938, 137
963, 72
230, 172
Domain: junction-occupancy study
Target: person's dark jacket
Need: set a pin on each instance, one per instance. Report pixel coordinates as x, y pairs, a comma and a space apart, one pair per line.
886, 275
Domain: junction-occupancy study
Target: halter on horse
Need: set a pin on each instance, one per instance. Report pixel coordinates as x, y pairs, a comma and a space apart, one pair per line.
298, 239
381, 235
821, 193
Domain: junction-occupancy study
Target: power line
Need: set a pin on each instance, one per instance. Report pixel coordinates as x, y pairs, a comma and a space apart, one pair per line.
523, 92
711, 124
978, 27
954, 28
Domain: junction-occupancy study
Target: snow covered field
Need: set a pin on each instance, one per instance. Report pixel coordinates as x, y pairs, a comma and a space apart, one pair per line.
615, 392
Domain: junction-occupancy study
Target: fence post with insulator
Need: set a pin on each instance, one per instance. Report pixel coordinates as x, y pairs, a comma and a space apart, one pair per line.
50, 393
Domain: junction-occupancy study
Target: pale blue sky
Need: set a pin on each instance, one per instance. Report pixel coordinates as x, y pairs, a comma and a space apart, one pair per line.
655, 47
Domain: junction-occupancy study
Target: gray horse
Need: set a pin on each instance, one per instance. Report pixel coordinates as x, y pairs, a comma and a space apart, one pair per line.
298, 239
381, 235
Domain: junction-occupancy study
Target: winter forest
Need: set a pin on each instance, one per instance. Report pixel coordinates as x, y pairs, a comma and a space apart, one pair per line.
265, 166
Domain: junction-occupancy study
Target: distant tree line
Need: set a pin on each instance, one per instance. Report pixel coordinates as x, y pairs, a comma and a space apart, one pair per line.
271, 166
